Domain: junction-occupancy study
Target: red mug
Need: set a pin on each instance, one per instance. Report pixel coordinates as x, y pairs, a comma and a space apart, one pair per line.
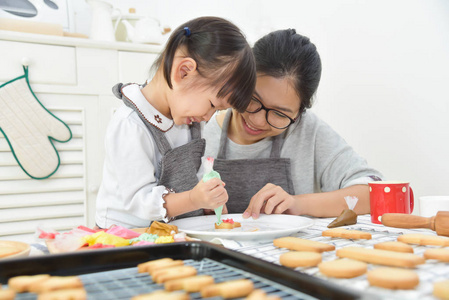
390, 197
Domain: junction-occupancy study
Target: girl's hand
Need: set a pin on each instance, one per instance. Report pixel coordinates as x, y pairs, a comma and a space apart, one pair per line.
209, 195
271, 199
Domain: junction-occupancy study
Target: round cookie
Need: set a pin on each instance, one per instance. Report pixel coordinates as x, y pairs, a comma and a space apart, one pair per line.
343, 268
294, 259
441, 289
393, 278
394, 246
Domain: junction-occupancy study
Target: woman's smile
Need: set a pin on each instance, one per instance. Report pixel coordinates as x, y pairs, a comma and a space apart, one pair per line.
250, 129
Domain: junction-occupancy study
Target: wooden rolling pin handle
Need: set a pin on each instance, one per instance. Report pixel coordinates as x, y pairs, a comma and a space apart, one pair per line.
442, 223
407, 221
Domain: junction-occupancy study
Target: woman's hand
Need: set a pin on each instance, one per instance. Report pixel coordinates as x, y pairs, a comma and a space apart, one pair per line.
271, 199
209, 195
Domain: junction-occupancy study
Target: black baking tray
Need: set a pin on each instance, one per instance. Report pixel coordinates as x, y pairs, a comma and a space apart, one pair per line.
99, 260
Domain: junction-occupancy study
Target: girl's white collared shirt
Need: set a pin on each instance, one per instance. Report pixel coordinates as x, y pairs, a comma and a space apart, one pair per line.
129, 195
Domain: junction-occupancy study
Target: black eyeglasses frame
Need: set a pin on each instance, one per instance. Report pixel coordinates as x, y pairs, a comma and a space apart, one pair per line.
275, 110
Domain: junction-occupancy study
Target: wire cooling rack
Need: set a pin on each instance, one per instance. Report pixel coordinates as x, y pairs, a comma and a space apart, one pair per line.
429, 273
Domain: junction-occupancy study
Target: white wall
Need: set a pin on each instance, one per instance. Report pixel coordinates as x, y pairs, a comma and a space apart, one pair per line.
385, 81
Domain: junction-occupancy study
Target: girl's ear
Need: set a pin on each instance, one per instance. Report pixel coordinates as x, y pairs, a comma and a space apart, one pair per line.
184, 68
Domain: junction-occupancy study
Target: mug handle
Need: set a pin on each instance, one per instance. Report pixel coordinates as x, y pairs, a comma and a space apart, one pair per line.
412, 200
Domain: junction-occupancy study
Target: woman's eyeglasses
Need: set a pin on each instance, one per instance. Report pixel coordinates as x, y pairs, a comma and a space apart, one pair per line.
274, 117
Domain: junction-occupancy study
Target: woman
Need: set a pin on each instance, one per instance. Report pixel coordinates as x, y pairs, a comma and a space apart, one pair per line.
277, 157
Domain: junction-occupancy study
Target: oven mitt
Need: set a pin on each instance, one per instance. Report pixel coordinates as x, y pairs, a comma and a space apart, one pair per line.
30, 129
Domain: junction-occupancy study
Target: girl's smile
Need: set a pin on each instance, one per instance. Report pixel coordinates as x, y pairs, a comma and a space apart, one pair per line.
190, 120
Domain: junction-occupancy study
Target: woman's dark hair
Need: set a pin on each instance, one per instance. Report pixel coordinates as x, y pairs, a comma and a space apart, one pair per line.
222, 54
286, 54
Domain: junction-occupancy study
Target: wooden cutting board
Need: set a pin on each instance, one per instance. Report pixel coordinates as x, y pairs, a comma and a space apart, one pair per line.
31, 27
37, 27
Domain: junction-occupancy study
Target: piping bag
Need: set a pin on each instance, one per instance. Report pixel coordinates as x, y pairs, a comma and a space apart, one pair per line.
209, 173
347, 216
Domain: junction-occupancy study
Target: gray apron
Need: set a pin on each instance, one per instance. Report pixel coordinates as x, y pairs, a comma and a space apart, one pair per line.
178, 166
245, 177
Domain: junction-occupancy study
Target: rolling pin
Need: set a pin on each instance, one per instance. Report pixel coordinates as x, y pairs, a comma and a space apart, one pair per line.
438, 223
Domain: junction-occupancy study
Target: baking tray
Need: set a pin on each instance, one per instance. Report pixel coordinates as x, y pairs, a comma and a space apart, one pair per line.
103, 269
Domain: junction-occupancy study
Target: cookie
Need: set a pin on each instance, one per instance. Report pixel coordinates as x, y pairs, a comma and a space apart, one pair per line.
190, 284
295, 259
228, 289
165, 274
152, 265
21, 284
434, 240
441, 254
347, 234
228, 225
56, 283
334, 232
162, 295
394, 246
393, 278
343, 268
411, 238
261, 295
65, 294
441, 289
423, 239
381, 257
298, 244
7, 294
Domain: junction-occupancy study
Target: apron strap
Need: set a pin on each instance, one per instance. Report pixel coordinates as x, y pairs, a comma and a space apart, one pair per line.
278, 140
195, 131
159, 137
224, 135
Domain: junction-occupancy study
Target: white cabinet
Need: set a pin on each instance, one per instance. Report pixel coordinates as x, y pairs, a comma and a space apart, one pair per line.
72, 78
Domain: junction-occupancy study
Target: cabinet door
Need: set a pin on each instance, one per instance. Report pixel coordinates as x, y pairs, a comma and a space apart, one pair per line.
58, 202
135, 67
55, 65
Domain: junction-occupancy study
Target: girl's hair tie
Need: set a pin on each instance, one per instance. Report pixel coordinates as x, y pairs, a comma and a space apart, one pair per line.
187, 31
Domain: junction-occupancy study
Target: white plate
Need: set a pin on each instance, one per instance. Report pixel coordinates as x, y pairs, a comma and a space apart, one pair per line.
266, 227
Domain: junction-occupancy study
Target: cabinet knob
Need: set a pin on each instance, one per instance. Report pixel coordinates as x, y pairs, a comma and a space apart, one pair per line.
26, 61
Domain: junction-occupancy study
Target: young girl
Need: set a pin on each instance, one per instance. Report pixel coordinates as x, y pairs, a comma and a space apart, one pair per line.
288, 159
153, 143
